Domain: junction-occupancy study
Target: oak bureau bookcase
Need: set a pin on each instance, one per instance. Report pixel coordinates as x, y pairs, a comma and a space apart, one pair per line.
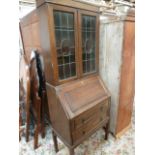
66, 34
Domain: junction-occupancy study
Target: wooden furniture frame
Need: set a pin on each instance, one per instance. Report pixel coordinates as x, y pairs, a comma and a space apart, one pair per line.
79, 102
74, 123
43, 17
78, 47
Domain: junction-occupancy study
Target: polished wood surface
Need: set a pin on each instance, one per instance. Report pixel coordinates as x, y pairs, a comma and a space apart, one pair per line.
60, 123
34, 39
127, 78
30, 33
87, 123
92, 114
70, 3
78, 105
73, 123
83, 97
38, 33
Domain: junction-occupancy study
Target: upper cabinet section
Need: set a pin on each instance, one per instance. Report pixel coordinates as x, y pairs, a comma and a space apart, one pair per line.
74, 35
66, 34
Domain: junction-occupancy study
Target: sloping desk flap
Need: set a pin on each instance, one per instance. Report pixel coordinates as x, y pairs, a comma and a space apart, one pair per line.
80, 95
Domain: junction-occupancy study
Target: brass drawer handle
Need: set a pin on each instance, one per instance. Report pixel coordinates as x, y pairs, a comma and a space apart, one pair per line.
101, 118
83, 132
101, 108
83, 120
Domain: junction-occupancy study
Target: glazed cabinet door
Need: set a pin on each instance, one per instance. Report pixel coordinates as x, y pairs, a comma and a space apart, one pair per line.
88, 42
64, 37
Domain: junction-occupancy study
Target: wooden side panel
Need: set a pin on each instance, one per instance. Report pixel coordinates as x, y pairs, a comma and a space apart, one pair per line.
58, 117
35, 32
26, 33
30, 32
45, 43
127, 78
35, 36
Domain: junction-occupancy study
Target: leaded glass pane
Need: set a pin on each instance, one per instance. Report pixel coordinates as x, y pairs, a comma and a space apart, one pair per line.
65, 44
88, 43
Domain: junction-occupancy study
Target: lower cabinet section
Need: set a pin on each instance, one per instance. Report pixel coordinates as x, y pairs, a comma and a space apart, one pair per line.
75, 117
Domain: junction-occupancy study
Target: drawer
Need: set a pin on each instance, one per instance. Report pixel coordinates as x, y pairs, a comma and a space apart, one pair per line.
101, 110
86, 128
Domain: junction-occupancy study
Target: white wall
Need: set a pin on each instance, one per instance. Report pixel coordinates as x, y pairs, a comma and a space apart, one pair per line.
25, 9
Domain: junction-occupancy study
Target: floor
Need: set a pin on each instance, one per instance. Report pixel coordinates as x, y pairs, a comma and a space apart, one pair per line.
95, 145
